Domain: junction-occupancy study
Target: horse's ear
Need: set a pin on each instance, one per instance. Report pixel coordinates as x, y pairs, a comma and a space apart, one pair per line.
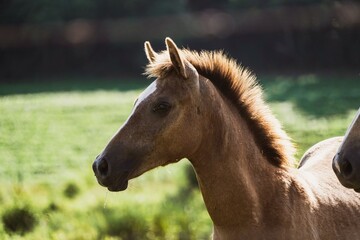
150, 53
175, 57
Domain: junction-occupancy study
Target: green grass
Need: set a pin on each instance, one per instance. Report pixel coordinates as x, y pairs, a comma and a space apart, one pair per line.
50, 133
313, 108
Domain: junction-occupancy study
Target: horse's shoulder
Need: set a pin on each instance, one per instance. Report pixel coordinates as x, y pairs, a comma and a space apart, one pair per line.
319, 148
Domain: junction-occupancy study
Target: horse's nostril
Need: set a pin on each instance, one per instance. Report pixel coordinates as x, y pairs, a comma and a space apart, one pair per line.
346, 168
103, 167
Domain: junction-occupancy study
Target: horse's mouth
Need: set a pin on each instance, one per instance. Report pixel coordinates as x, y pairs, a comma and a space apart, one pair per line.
118, 187
115, 184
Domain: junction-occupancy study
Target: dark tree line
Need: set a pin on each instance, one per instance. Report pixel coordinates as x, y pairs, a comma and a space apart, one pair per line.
105, 37
44, 11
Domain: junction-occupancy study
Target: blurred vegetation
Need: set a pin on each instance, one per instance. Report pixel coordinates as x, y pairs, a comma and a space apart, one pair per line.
326, 96
49, 138
42, 11
71, 190
105, 37
19, 220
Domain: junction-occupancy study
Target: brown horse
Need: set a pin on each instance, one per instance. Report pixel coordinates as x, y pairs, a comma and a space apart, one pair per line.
346, 163
206, 108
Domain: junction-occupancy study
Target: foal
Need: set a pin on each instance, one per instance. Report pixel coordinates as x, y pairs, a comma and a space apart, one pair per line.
206, 108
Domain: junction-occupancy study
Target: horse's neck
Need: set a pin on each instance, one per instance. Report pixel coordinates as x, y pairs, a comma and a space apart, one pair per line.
235, 179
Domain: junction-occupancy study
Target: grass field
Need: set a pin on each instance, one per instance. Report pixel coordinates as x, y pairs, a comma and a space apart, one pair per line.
50, 133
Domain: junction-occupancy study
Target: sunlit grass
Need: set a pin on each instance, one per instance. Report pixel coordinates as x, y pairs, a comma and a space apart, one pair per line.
59, 132
306, 130
49, 140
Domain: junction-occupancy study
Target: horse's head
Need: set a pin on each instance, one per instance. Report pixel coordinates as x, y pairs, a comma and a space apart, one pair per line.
346, 163
162, 128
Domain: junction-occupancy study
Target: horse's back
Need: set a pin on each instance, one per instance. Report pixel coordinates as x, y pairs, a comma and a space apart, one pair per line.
316, 153
315, 166
338, 207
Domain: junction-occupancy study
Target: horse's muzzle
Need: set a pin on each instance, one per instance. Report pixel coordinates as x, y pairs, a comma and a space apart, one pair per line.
107, 177
347, 169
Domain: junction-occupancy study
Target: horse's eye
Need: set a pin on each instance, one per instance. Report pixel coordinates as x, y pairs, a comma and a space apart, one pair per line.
162, 107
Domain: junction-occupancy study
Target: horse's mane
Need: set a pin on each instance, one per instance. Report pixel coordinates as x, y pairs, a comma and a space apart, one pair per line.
241, 88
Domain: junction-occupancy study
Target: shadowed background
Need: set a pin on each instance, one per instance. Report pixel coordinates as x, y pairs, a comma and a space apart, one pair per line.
43, 38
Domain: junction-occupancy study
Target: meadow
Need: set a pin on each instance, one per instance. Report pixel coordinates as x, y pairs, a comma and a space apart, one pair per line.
51, 131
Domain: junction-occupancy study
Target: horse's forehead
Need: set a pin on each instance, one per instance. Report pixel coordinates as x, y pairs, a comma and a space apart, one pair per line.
164, 85
147, 93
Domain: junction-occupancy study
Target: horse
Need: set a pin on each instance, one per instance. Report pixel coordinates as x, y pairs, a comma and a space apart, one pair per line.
205, 107
346, 163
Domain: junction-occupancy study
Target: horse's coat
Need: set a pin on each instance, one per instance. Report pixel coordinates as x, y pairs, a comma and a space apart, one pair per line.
209, 109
